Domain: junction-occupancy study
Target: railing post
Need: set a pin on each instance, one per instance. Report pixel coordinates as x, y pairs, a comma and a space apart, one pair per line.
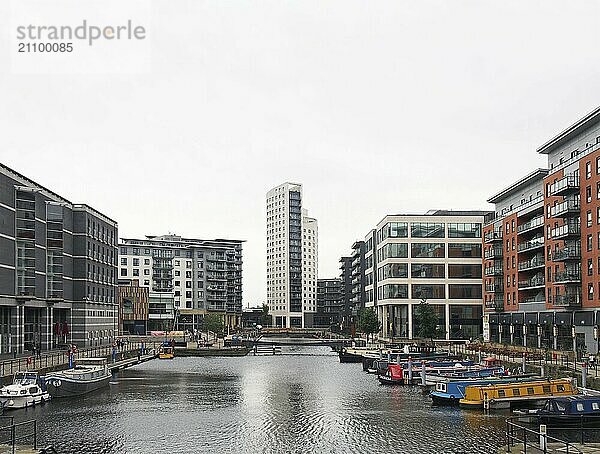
524, 440
34, 434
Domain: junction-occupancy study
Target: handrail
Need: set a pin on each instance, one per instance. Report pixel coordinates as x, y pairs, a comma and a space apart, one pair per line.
511, 437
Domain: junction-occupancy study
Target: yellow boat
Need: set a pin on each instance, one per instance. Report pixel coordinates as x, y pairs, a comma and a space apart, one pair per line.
506, 395
166, 353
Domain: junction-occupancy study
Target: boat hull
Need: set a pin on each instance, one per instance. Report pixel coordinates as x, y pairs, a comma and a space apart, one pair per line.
65, 387
350, 358
17, 402
385, 380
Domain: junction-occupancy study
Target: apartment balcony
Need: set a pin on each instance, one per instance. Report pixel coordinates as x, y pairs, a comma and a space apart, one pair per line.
493, 236
533, 283
212, 277
568, 277
493, 253
571, 229
564, 186
531, 245
493, 271
496, 304
217, 258
568, 300
567, 253
535, 263
536, 223
534, 299
496, 287
162, 266
567, 208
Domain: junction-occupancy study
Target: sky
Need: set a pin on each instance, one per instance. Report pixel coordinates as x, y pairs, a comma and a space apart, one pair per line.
375, 107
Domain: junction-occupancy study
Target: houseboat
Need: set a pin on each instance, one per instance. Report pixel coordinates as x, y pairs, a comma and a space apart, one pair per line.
27, 390
570, 410
393, 376
507, 395
450, 391
88, 375
166, 352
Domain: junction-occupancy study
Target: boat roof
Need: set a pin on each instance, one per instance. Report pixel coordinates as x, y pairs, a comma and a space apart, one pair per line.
577, 397
91, 361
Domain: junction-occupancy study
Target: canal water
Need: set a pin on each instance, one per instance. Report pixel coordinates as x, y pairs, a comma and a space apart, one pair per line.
303, 401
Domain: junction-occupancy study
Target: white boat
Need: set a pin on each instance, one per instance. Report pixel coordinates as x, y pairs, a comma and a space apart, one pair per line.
26, 390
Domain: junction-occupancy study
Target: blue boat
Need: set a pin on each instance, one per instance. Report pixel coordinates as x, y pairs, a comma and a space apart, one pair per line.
450, 391
570, 410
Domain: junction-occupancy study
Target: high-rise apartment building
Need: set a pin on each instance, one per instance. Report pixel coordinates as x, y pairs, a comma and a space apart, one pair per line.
434, 257
292, 258
542, 248
186, 279
58, 275
329, 303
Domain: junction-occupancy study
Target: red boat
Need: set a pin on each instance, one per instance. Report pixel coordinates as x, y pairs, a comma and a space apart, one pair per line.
393, 376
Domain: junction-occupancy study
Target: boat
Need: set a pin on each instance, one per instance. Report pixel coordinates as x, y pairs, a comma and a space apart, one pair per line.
507, 395
88, 375
393, 376
352, 355
166, 352
27, 390
451, 390
570, 410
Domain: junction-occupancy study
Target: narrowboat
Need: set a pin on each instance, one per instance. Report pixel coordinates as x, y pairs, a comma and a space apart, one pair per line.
507, 395
90, 374
450, 391
570, 410
393, 376
27, 390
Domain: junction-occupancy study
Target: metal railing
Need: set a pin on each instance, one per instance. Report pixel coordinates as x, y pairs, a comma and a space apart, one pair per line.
533, 224
12, 435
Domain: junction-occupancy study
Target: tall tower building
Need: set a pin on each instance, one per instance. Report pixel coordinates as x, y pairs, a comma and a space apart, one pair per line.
291, 258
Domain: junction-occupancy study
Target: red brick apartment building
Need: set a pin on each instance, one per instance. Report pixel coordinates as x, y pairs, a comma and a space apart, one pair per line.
541, 246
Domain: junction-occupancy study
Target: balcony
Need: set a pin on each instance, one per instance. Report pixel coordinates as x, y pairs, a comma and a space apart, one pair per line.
567, 253
565, 185
568, 300
496, 304
534, 299
536, 262
568, 276
531, 245
493, 270
493, 253
493, 236
534, 282
535, 223
496, 287
566, 208
571, 229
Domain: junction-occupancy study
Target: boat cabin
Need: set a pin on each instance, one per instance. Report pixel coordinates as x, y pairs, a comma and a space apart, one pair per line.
575, 405
491, 361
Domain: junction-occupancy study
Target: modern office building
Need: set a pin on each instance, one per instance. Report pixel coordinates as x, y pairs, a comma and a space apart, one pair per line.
133, 307
58, 275
292, 258
542, 248
434, 257
186, 279
329, 304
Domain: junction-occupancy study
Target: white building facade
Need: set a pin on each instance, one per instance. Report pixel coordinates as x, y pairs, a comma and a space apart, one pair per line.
292, 264
434, 257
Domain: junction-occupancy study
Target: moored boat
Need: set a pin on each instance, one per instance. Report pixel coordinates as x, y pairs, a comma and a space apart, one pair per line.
166, 352
507, 395
27, 390
569, 410
393, 376
88, 375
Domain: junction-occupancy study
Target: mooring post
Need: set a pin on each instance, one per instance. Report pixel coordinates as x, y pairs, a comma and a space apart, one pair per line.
410, 371
543, 435
524, 361
423, 372
584, 375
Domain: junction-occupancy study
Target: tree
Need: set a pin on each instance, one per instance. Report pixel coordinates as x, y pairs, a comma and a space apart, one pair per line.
265, 318
368, 322
426, 320
213, 322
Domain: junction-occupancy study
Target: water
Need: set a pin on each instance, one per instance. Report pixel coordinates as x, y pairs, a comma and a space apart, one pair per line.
303, 401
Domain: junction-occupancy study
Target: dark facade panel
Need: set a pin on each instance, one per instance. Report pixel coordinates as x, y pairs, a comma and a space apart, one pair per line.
7, 281
505, 319
563, 318
7, 221
518, 318
494, 319
7, 251
546, 318
531, 318
583, 318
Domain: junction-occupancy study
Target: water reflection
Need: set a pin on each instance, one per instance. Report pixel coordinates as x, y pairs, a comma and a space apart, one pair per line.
263, 404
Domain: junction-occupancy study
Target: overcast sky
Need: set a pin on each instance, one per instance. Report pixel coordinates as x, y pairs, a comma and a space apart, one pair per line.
375, 107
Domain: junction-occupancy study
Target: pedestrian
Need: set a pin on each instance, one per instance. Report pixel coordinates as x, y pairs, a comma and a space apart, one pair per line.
39, 351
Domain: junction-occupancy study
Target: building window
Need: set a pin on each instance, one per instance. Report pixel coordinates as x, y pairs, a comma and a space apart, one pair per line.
589, 218
136, 272
136, 262
590, 291
146, 261
146, 272
598, 166
462, 291
123, 260
393, 230
589, 242
428, 291
464, 230
123, 271
427, 270
124, 250
427, 230
429, 250
464, 271
457, 250
590, 267
588, 170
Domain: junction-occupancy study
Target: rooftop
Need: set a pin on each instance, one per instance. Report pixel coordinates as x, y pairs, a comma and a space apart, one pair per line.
580, 125
537, 174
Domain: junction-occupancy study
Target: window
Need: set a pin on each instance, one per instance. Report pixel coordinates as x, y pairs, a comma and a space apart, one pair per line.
590, 291
598, 190
146, 272
595, 406
123, 271
560, 388
590, 267
427, 270
427, 230
176, 262
123, 251
589, 242
123, 261
146, 261
418, 250
588, 217
394, 230
136, 262
579, 406
501, 393
464, 271
394, 291
546, 389
588, 170
428, 291
530, 391
457, 250
464, 230
464, 291
393, 270
393, 250
136, 272
588, 194
146, 282
516, 392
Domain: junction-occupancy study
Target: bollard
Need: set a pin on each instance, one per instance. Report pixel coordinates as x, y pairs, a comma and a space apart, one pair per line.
524, 362
423, 373
389, 356
584, 375
480, 355
543, 434
542, 371
410, 371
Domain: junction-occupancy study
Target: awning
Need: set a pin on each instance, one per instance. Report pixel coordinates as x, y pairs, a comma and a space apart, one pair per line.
531, 318
563, 318
518, 318
546, 318
583, 318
